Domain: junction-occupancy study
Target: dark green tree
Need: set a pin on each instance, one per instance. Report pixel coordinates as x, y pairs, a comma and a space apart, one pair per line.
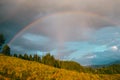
36, 58
2, 39
6, 50
39, 59
25, 56
15, 55
20, 56
48, 60
57, 64
30, 58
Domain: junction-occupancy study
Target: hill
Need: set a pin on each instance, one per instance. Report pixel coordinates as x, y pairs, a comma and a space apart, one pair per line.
117, 62
12, 68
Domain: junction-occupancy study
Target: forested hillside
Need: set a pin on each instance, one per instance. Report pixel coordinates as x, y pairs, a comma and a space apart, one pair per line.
12, 68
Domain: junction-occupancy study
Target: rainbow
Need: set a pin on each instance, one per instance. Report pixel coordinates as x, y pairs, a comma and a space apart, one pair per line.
58, 14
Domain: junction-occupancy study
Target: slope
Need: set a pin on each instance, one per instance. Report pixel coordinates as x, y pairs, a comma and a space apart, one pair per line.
12, 68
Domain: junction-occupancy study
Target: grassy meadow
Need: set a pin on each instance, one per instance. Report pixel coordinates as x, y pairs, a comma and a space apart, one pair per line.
12, 68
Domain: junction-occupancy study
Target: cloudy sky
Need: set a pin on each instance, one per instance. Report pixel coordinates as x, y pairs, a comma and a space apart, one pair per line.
86, 31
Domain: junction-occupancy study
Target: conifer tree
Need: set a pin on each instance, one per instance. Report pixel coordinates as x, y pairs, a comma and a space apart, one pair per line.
2, 39
6, 50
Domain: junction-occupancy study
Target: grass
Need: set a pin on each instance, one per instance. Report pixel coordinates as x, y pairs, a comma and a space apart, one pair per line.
12, 68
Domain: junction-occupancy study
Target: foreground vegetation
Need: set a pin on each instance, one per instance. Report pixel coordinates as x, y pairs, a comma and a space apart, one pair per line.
49, 59
12, 68
18, 69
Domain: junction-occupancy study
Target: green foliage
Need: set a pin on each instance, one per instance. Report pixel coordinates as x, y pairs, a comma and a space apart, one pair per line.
112, 69
48, 59
6, 50
25, 57
57, 64
20, 56
71, 65
36, 58
15, 55
30, 58
89, 70
2, 39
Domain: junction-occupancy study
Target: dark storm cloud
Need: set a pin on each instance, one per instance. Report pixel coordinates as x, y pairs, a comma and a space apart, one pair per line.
105, 57
23, 12
14, 16
30, 43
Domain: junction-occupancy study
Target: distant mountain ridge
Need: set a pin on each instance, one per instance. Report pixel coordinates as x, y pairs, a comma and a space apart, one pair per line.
115, 62
105, 65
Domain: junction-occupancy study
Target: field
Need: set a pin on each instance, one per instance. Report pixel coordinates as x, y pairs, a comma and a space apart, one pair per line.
12, 68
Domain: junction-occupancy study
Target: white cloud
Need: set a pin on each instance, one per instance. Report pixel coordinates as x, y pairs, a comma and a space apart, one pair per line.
114, 48
91, 56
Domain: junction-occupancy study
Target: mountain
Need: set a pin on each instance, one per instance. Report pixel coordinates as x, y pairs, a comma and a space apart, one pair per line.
104, 65
115, 62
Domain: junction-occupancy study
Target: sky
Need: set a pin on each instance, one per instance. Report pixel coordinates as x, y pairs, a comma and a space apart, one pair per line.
86, 31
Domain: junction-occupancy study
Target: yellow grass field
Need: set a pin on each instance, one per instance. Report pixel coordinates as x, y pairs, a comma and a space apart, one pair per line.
12, 68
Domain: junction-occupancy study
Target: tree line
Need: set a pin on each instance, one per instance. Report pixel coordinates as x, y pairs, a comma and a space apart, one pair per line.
50, 60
